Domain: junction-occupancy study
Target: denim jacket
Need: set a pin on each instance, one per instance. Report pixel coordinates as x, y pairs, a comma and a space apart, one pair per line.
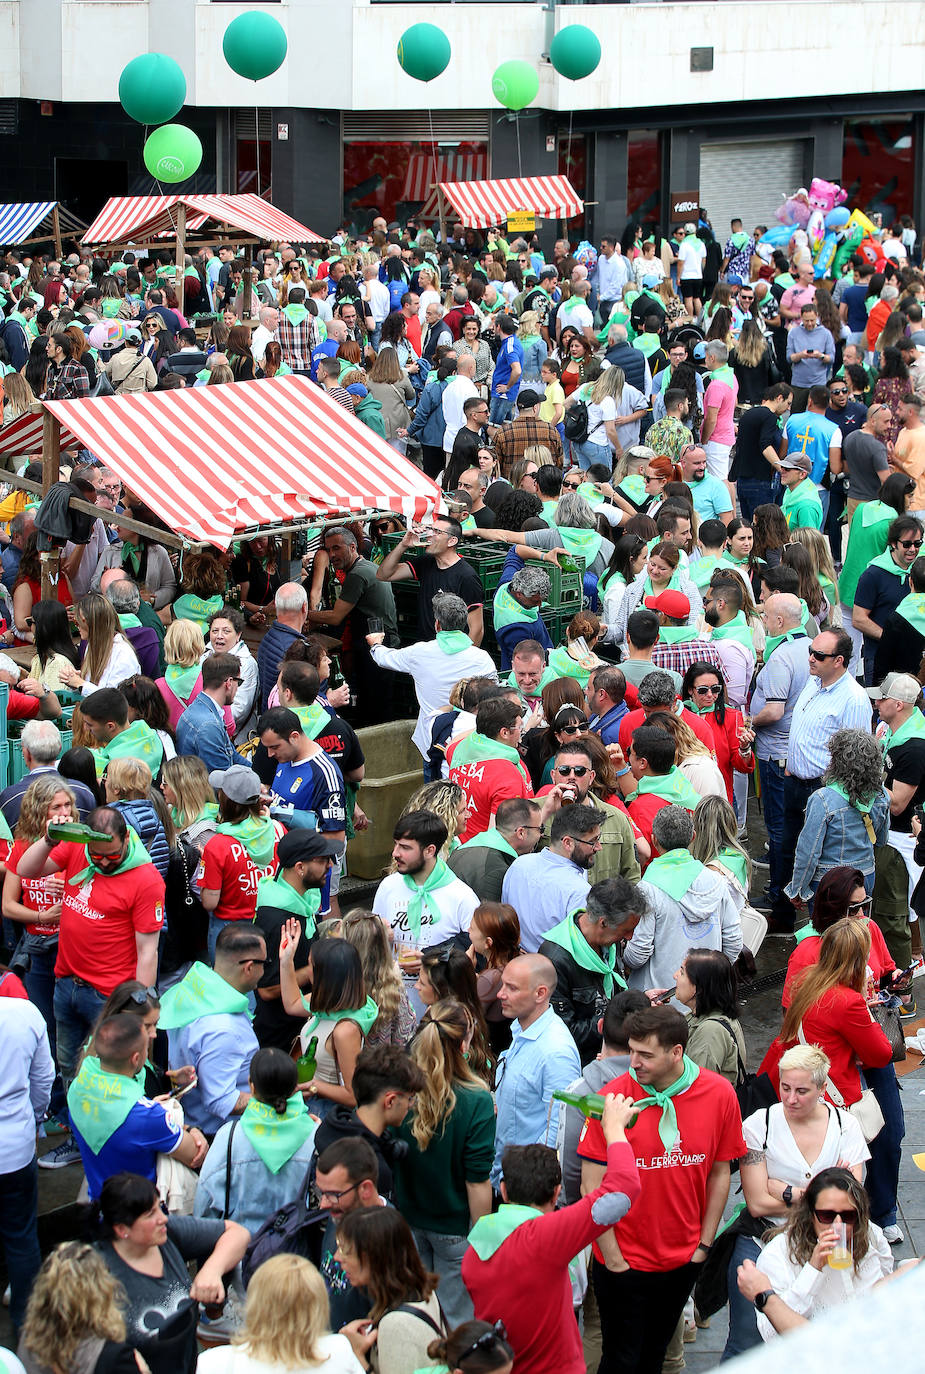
834, 833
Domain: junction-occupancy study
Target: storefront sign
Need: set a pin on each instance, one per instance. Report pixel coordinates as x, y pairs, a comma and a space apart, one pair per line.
521, 222
685, 205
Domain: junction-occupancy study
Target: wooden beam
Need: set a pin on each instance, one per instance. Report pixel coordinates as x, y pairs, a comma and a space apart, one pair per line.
441, 210
248, 285
108, 517
56, 230
181, 253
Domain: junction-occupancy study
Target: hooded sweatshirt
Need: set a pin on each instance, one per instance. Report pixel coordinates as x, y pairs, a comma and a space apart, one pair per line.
341, 1122
571, 1122
705, 917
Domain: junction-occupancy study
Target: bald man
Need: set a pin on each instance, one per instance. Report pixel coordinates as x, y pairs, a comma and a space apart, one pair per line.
777, 686
541, 1059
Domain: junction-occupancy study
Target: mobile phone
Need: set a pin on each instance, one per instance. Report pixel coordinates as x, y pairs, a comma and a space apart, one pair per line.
177, 1093
664, 997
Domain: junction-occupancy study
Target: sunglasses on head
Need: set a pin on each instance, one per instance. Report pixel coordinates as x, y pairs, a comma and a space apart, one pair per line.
575, 770
486, 1341
828, 1216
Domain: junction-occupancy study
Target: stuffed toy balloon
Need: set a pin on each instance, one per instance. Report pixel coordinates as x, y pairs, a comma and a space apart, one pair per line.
255, 45
152, 88
575, 52
837, 217
825, 258
424, 51
515, 84
173, 153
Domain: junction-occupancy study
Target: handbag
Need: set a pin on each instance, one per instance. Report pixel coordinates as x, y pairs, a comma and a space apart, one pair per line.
754, 1090
888, 1019
866, 1111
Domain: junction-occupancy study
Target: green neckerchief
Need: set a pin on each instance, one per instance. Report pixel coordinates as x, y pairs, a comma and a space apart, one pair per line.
189, 607
605, 579
257, 834
737, 629
312, 719
364, 1016
295, 313
490, 1232
511, 681
468, 525
181, 681
203, 992
563, 665
490, 839
674, 872
805, 932
674, 584
668, 1125
476, 748
453, 641
699, 710
135, 856
677, 634
136, 741
589, 492
912, 609
736, 863
568, 936
738, 240
507, 610
875, 513
420, 894
722, 374
99, 1102
729, 560
129, 622
913, 728
277, 1138
5, 832
634, 486
673, 788
277, 892
702, 570
864, 807
131, 556
805, 616
584, 544
886, 563
209, 812
773, 642
528, 339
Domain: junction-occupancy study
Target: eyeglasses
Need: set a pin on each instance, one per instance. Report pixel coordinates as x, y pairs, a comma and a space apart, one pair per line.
712, 690
817, 653
333, 1194
253, 960
855, 907
485, 1342
592, 844
910, 543
828, 1216
577, 770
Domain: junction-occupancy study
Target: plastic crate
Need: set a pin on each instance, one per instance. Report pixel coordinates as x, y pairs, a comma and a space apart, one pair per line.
11, 755
4, 703
5, 778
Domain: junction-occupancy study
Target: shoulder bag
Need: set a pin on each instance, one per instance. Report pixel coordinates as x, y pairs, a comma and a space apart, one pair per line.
888, 1019
754, 1090
866, 1111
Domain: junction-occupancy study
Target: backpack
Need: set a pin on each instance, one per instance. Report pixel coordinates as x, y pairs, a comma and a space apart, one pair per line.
295, 1229
575, 423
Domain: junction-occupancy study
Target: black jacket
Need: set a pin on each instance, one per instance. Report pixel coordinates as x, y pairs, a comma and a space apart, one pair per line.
579, 998
343, 1121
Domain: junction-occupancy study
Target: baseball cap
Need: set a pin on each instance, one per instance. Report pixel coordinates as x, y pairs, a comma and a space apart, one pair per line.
898, 686
673, 604
734, 280
528, 398
239, 784
798, 461
650, 280
357, 389
690, 228
297, 845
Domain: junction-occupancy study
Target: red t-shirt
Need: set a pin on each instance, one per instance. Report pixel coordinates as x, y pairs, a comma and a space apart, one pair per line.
880, 960
35, 891
101, 917
487, 783
643, 811
633, 719
227, 868
663, 1227
11, 986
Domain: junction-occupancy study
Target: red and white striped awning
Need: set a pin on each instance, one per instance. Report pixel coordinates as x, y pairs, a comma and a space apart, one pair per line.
480, 204
420, 179
152, 217
22, 438
213, 460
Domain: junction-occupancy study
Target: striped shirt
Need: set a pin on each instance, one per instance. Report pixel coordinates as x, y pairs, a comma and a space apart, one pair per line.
819, 712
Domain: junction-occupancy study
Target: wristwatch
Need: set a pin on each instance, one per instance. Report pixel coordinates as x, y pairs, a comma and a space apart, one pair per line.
786, 1196
761, 1300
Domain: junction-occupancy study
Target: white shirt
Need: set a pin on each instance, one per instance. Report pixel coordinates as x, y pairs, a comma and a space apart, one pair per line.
376, 295
810, 1292
692, 253
336, 1353
455, 904
455, 395
427, 298
325, 308
843, 1140
242, 708
259, 340
26, 1075
578, 315
95, 547
434, 674
122, 663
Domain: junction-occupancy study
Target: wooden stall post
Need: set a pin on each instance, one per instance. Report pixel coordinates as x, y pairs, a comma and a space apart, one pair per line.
441, 210
248, 285
181, 252
51, 472
56, 230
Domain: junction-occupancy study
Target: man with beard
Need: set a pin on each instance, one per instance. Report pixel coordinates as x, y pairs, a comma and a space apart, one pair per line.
544, 888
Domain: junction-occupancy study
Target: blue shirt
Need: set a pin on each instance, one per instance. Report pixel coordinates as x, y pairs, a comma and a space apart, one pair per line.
818, 713
811, 434
539, 1061
220, 1049
854, 298
510, 352
328, 349
317, 785
10, 559
711, 497
28, 1073
811, 371
201, 731
608, 725
132, 1148
543, 889
879, 593
782, 679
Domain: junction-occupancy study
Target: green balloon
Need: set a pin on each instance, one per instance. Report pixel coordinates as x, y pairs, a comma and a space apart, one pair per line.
424, 51
172, 153
515, 84
255, 45
152, 88
575, 52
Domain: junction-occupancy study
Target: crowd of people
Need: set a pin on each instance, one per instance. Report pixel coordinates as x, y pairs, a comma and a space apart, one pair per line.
415, 1134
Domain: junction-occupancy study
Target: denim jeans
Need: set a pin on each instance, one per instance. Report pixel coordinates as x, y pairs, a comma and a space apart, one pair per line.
40, 985
501, 409
743, 1326
752, 493
588, 451
771, 773
797, 792
443, 1255
19, 1205
882, 1178
77, 1007
216, 925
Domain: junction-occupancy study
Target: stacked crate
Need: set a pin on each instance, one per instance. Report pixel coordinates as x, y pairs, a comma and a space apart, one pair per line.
12, 763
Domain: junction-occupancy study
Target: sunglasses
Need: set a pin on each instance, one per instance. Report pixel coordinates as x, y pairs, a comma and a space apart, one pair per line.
570, 486
141, 996
817, 653
485, 1342
828, 1216
855, 907
569, 729
838, 391
910, 543
577, 770
708, 691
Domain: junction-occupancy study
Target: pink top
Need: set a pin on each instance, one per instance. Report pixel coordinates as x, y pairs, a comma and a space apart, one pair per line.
724, 396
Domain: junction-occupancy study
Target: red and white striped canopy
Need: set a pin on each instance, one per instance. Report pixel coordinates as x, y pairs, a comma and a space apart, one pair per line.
480, 204
213, 460
151, 217
420, 179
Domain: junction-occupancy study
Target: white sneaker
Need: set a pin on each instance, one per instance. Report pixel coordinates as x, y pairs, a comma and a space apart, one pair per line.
893, 1235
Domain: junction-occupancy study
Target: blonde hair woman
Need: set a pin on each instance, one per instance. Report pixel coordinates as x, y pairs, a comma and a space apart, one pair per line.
817, 546
452, 1120
73, 1320
448, 800
428, 290
396, 1020
18, 396
535, 348
188, 792
692, 756
184, 647
109, 658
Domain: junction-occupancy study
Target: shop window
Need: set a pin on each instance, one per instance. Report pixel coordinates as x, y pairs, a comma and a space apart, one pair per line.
878, 165
644, 175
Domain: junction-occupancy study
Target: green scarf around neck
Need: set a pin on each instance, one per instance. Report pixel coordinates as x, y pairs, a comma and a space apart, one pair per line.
490, 839
912, 610
699, 710
278, 893
674, 872
634, 486
190, 607
313, 719
277, 1138
131, 556
701, 571
737, 629
181, 681
913, 728
677, 634
736, 863
886, 563
420, 895
99, 1101
203, 992
490, 1232
258, 836
208, 813
507, 610
136, 741
563, 664
364, 1016
584, 544
135, 857
722, 374
863, 807
668, 1125
453, 641
567, 935
673, 788
476, 748
773, 642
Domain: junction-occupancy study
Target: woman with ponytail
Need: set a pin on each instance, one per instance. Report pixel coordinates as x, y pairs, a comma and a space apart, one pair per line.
473, 1348
442, 1185
271, 1148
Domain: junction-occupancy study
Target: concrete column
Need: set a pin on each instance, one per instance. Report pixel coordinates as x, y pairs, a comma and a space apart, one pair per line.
308, 167
824, 149
607, 185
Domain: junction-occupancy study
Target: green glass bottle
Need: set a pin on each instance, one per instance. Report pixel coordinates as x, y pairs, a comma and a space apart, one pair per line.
591, 1105
307, 1063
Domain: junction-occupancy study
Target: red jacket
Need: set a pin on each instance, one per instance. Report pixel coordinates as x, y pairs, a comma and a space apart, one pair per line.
725, 745
840, 1024
634, 719
526, 1281
807, 953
